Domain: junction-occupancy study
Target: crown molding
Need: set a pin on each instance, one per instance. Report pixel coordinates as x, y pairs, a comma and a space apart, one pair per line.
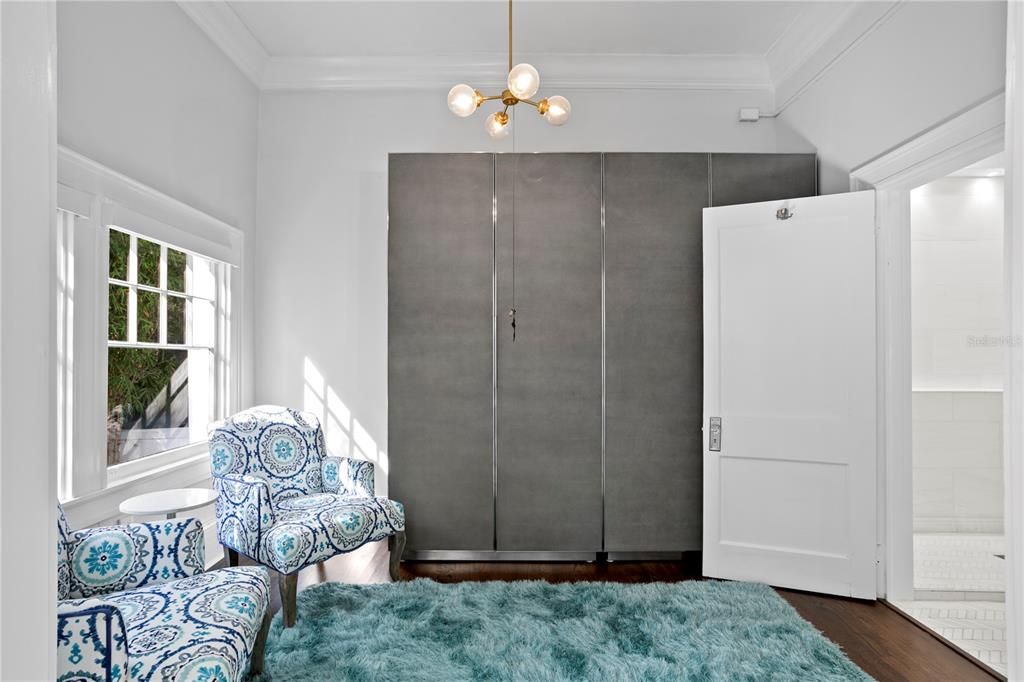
230, 34
810, 30
818, 40
562, 71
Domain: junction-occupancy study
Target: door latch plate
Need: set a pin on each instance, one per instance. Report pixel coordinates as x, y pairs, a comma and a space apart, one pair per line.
715, 435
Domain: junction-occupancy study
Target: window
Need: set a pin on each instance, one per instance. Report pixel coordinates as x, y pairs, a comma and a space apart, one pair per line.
148, 322
161, 347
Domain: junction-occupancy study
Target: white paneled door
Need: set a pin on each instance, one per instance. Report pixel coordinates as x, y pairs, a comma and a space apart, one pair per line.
789, 369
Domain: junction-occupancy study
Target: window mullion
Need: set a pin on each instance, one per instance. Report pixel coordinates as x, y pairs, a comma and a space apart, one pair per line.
133, 294
163, 293
158, 290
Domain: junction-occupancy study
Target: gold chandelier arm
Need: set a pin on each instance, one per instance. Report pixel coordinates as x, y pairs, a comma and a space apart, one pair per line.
489, 98
530, 102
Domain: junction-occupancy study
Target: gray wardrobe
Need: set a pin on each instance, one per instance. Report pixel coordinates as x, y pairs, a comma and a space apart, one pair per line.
582, 433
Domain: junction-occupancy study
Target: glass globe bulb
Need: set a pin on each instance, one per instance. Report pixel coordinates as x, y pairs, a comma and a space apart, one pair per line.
497, 125
462, 100
523, 81
557, 111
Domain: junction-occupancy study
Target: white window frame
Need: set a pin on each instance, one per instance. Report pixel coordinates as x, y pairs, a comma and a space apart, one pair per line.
65, 243
221, 272
101, 199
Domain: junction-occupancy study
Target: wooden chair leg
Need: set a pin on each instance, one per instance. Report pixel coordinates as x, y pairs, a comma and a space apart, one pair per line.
288, 585
396, 545
230, 556
259, 646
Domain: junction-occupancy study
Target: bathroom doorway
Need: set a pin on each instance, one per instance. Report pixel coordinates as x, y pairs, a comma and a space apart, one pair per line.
958, 348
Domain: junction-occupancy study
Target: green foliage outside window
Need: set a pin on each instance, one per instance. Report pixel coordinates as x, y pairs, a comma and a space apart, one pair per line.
137, 376
149, 263
176, 263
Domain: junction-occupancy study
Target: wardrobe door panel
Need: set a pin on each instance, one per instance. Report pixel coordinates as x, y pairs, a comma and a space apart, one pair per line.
749, 178
549, 377
654, 474
440, 264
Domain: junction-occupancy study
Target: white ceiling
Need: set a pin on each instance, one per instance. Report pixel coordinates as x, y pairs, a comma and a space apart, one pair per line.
424, 27
771, 46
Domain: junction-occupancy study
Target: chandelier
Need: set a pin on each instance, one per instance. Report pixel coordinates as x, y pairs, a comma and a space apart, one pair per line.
523, 83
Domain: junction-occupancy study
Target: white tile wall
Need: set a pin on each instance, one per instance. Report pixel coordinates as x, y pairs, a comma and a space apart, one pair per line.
958, 461
957, 298
956, 283
955, 565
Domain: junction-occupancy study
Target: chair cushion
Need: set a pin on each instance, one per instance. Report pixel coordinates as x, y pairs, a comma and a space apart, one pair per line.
198, 628
316, 527
115, 558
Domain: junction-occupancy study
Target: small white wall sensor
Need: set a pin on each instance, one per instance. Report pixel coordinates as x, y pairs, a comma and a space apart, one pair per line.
750, 114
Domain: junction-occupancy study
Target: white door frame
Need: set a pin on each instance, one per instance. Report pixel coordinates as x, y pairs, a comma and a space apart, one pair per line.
991, 126
1013, 387
28, 316
966, 138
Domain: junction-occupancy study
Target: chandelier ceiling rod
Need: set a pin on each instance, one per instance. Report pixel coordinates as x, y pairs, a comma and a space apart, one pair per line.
523, 81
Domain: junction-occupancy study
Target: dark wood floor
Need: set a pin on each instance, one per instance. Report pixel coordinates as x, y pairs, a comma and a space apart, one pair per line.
885, 644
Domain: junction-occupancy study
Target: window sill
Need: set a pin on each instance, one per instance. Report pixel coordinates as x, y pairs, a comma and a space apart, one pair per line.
102, 505
147, 466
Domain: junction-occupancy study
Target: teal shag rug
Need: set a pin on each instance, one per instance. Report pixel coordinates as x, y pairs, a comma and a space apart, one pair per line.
538, 631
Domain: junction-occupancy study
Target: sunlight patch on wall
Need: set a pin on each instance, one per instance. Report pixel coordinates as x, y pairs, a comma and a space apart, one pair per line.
344, 434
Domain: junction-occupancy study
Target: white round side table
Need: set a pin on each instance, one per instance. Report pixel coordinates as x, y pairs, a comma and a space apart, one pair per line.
169, 502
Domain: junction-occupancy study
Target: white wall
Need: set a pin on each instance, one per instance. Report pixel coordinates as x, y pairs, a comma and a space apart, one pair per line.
956, 232
143, 91
321, 335
28, 285
924, 64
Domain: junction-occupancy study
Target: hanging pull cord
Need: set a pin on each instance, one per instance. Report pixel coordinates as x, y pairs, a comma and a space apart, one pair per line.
515, 179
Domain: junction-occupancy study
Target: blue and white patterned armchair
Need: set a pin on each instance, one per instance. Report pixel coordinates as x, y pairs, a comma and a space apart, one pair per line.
287, 505
135, 604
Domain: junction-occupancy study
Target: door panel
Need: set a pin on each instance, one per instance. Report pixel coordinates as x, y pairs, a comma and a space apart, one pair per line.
789, 366
440, 263
746, 178
653, 209
549, 378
